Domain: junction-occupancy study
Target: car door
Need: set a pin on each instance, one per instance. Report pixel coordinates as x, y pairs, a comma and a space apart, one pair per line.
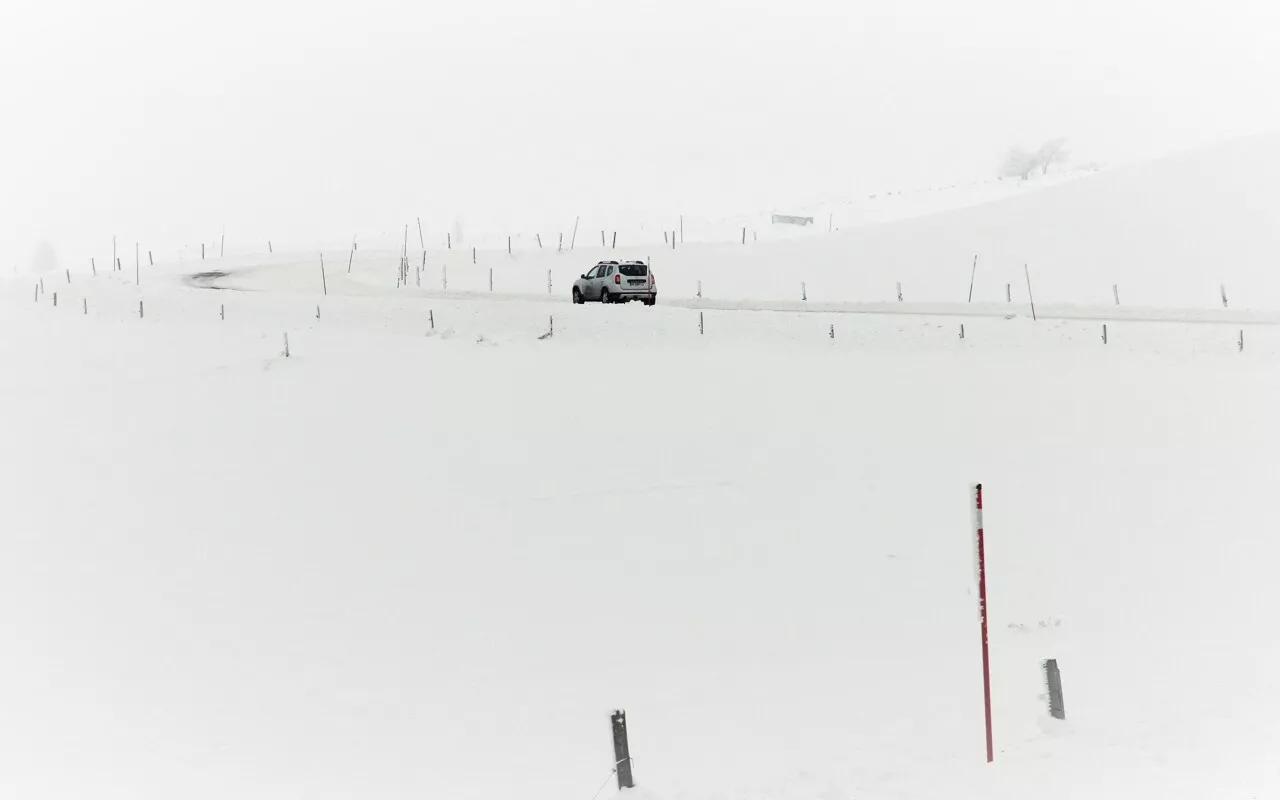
588, 287
602, 280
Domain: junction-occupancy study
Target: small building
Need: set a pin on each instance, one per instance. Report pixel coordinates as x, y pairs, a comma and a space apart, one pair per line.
787, 219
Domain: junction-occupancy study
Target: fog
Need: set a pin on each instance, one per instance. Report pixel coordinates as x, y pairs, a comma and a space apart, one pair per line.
310, 122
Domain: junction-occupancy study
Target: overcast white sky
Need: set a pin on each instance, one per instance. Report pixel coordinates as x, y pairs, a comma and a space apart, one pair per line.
164, 119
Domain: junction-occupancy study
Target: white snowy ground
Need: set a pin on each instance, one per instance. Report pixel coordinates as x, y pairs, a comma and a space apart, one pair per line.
404, 564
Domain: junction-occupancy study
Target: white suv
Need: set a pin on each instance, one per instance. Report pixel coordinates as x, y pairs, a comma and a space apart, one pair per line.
613, 282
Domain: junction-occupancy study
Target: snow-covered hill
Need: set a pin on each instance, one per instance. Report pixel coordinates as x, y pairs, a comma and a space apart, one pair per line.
427, 553
1174, 233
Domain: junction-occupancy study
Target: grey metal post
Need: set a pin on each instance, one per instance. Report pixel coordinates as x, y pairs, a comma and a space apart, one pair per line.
1053, 679
621, 750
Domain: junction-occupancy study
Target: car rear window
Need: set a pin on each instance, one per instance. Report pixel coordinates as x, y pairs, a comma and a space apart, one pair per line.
634, 270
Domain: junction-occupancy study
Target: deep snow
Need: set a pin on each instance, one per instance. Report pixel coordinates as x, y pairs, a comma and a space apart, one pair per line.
415, 563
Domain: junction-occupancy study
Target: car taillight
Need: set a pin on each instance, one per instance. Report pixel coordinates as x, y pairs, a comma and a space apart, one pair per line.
617, 279
650, 280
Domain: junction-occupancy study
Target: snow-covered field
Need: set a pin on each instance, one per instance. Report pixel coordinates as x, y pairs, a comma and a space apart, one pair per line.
406, 562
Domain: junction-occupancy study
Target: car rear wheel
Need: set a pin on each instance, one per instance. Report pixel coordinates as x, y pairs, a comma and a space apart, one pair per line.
577, 297
604, 296
651, 300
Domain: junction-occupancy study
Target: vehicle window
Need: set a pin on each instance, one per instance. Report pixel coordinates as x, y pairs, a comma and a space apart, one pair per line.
634, 270
593, 272
610, 272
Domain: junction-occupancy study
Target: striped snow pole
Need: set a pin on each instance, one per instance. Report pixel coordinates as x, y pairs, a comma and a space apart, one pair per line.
981, 553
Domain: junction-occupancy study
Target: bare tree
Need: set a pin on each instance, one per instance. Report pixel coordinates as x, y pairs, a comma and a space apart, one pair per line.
1019, 163
1050, 153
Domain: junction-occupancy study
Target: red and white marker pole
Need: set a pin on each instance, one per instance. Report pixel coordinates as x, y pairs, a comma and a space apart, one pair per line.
982, 613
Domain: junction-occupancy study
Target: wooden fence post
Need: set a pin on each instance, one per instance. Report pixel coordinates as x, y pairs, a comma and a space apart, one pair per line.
621, 750
1053, 679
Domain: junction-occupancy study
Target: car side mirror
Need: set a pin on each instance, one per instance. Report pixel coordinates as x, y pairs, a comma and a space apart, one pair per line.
583, 276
